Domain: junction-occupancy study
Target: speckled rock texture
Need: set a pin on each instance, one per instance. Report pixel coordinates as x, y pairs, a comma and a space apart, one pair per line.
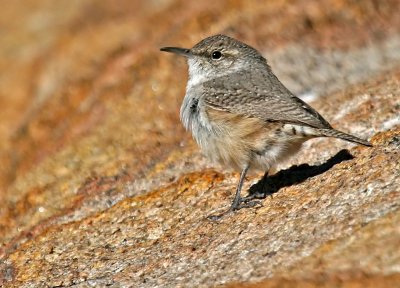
101, 186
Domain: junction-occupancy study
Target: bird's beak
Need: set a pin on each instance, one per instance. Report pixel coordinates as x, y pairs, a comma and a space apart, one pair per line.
180, 51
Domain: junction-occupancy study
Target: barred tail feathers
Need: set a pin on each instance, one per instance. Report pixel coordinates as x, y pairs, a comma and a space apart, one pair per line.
344, 136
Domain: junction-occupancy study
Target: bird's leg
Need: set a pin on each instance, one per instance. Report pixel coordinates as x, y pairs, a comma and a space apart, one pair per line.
258, 191
237, 202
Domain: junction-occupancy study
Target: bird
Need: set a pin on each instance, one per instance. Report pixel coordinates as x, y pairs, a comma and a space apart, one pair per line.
240, 114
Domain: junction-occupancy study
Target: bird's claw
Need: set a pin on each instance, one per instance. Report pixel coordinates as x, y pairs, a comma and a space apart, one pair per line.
242, 203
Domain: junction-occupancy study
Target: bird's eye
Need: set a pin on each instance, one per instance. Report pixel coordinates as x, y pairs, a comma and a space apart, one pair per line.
216, 55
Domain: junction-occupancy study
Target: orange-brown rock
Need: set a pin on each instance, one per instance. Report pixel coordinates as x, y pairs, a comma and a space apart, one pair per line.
100, 185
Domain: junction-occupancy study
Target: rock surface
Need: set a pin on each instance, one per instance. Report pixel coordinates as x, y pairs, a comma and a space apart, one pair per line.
101, 186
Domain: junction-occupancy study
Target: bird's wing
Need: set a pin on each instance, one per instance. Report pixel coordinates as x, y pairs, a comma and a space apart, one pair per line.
259, 95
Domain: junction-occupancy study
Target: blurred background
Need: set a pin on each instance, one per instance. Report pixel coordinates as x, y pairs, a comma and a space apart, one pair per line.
65, 64
86, 97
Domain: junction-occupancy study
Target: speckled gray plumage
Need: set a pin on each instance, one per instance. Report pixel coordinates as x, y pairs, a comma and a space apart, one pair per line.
260, 95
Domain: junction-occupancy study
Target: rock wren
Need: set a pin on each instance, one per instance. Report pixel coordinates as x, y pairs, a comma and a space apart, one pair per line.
240, 114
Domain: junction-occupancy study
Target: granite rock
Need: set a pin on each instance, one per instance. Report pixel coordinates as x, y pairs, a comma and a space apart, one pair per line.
101, 186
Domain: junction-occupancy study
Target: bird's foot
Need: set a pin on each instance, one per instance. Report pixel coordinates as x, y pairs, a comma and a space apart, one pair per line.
241, 203
247, 203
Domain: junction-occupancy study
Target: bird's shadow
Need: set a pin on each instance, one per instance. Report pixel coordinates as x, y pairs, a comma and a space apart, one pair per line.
269, 185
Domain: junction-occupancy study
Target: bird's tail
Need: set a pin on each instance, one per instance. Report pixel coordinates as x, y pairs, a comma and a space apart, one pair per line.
344, 136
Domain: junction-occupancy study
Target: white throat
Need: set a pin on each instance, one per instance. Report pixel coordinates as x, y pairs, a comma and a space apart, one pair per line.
197, 75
